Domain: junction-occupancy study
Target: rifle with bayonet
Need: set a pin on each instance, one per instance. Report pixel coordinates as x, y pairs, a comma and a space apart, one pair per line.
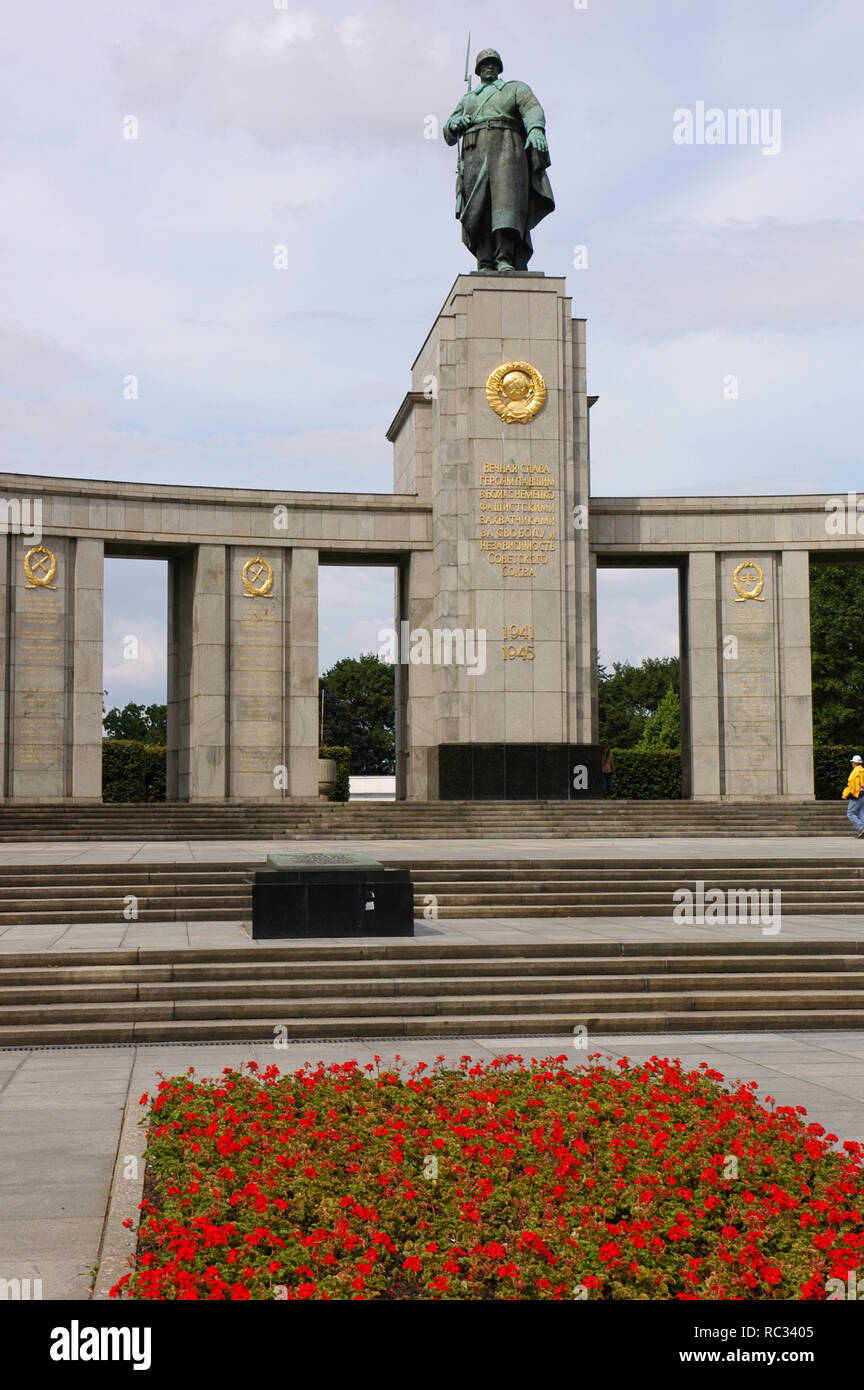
460, 187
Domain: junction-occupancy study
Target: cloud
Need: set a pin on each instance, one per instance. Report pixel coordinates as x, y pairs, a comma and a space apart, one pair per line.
304, 127
686, 277
294, 78
637, 615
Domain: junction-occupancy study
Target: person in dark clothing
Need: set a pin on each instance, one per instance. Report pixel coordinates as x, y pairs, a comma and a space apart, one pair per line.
607, 768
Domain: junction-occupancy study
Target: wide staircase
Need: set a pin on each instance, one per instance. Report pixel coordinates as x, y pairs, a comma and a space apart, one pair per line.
427, 989
70, 894
418, 820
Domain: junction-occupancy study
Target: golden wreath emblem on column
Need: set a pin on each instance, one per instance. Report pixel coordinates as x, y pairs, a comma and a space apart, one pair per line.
749, 581
257, 577
40, 567
516, 391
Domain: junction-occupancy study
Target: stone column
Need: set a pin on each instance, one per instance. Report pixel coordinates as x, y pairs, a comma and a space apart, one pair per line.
7, 550
415, 683
703, 690
684, 684
256, 704
208, 675
748, 664
179, 661
590, 699
302, 673
796, 711
87, 631
53, 665
510, 562
750, 678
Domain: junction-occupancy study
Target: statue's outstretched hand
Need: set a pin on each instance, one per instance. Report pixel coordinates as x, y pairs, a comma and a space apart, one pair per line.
537, 141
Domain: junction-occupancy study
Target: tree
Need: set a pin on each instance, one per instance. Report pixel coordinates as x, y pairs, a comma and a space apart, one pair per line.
663, 729
630, 695
143, 723
359, 712
837, 652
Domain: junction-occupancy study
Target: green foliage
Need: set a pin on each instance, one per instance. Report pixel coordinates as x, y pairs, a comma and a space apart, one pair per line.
647, 775
630, 695
342, 757
132, 771
663, 729
831, 768
359, 712
837, 646
140, 723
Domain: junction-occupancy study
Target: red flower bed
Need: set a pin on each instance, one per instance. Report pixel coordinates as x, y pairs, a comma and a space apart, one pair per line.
504, 1180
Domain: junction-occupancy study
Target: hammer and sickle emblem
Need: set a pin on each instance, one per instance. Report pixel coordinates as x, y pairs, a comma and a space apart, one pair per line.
749, 581
40, 567
257, 577
516, 392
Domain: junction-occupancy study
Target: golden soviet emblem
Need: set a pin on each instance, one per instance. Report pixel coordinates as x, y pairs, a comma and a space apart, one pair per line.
749, 581
516, 391
257, 577
40, 567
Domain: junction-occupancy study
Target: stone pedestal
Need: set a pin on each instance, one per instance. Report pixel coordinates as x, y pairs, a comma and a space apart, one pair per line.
495, 627
330, 894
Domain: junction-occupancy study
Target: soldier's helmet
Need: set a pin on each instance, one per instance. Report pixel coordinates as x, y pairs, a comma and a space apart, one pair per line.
482, 57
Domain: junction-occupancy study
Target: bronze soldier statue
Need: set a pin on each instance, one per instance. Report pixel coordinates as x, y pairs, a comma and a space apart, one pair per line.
502, 188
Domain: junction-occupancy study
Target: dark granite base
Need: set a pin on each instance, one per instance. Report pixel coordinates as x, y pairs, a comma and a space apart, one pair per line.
309, 903
517, 771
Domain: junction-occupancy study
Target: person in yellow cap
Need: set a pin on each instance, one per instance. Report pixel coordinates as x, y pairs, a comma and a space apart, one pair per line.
854, 796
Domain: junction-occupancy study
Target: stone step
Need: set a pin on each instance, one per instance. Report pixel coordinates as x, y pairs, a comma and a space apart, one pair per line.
490, 871
548, 1025
803, 1002
425, 988
79, 894
425, 949
527, 911
245, 975
406, 987
101, 916
419, 820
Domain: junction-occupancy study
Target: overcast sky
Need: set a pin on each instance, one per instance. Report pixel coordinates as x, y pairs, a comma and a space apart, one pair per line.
304, 127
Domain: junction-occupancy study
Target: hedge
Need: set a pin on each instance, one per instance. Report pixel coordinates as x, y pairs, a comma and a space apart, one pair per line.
831, 768
135, 771
132, 771
647, 776
656, 775
342, 757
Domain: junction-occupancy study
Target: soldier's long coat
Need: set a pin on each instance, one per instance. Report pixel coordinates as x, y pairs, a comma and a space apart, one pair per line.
500, 184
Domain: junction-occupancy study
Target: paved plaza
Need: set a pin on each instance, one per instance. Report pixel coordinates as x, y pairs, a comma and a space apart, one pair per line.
61, 1111
61, 1108
762, 847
